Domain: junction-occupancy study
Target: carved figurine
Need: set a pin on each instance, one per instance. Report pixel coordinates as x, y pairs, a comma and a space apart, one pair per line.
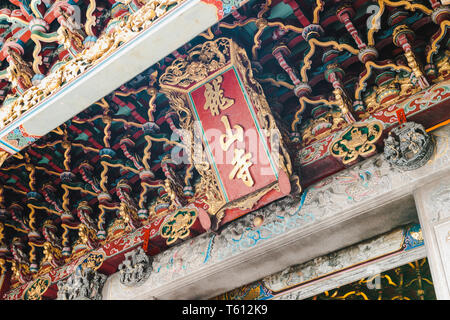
83, 284
52, 256
408, 146
135, 268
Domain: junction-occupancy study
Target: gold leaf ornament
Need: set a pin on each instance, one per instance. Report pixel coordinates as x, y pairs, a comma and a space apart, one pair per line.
358, 140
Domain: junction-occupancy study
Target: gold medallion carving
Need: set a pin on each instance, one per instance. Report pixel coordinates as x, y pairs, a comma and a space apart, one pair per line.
177, 227
37, 289
93, 261
358, 140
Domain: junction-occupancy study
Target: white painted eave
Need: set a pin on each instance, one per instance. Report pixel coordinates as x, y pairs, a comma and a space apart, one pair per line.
167, 34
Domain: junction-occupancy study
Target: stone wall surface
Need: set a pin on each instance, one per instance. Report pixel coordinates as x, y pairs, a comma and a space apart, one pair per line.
433, 206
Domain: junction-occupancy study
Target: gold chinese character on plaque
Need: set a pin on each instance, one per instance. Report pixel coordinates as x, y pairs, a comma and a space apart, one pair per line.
241, 165
215, 99
229, 137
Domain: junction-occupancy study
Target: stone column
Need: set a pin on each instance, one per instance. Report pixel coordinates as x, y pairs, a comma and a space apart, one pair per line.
433, 208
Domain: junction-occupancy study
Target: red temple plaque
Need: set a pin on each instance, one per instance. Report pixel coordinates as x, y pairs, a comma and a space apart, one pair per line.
220, 103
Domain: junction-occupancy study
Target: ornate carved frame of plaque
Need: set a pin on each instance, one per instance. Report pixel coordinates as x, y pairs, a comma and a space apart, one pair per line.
213, 88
